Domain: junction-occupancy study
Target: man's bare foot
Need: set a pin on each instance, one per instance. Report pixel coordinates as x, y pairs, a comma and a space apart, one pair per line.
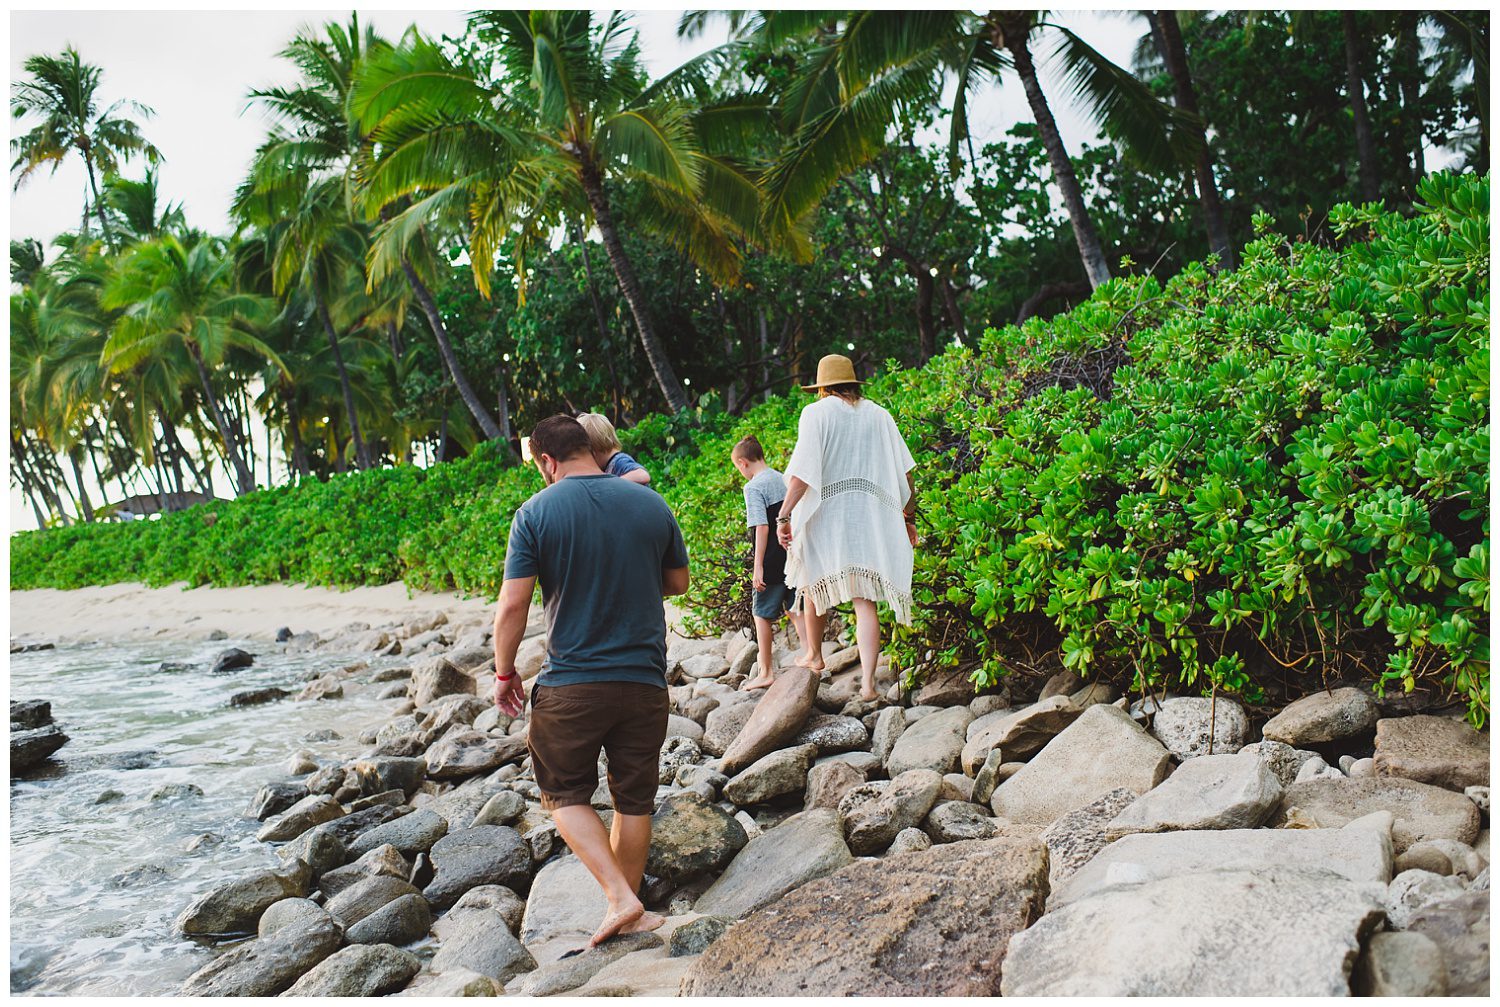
648, 921
616, 922
761, 681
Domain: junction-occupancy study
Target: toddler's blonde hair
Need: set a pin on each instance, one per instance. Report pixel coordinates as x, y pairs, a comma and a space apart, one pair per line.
602, 437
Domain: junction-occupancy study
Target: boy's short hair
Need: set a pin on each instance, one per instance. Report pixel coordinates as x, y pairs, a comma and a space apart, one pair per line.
602, 437
749, 449
559, 437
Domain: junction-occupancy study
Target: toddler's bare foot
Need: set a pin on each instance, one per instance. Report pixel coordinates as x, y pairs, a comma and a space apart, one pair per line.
616, 922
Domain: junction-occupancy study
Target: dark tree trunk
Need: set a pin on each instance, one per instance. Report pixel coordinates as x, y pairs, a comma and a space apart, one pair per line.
466, 392
1409, 48
656, 354
361, 456
955, 313
1369, 178
83, 493
601, 322
299, 450
502, 409
22, 475
1175, 54
393, 336
1010, 33
926, 329
244, 481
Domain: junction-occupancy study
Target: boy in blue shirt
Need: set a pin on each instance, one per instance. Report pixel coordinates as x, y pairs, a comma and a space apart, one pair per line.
764, 492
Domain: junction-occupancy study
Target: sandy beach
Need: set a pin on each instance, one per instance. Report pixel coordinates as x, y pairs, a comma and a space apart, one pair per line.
135, 611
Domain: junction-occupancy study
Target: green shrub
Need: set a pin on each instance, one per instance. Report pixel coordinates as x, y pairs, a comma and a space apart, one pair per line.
1249, 483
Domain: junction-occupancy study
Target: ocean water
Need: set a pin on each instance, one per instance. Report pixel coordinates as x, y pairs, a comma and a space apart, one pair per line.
94, 887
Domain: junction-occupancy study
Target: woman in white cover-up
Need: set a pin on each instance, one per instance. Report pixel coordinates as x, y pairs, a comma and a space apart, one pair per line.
848, 520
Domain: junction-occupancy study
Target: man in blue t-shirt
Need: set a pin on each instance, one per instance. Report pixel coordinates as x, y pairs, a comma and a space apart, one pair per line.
606, 551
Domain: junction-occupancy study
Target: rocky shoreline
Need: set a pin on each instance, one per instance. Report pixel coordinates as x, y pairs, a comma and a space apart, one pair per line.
809, 843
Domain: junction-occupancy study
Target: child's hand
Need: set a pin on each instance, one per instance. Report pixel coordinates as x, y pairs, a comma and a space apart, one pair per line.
759, 580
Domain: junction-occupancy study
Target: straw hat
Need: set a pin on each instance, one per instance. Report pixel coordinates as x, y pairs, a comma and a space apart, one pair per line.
834, 369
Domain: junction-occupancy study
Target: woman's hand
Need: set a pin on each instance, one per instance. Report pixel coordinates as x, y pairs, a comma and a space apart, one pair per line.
784, 534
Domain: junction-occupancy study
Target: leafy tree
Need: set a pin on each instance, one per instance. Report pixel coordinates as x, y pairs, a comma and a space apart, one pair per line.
63, 91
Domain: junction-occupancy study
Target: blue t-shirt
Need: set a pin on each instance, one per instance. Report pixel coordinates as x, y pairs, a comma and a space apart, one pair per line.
598, 546
620, 463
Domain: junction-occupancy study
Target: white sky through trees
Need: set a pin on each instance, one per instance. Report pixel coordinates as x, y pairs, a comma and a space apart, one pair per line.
195, 68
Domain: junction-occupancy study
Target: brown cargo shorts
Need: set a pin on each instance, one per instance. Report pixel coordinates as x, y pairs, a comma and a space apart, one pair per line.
571, 723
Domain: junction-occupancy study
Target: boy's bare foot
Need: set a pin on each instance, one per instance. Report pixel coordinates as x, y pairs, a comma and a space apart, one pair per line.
648, 921
616, 922
761, 681
869, 695
806, 661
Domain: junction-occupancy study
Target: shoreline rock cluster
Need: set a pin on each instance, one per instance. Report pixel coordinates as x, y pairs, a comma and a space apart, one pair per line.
807, 842
34, 738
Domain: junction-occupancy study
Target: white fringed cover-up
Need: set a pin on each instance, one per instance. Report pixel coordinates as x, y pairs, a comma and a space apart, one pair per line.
848, 533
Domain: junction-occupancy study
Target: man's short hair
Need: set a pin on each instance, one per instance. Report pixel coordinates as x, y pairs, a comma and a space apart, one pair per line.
601, 432
749, 449
560, 437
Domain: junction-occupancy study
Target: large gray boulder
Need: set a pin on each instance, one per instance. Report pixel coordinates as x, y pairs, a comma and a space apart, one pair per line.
832, 734
400, 922
315, 809
805, 846
1421, 811
930, 923
570, 973
1207, 792
1324, 717
388, 772
30, 748
410, 834
1358, 852
484, 855
934, 742
1442, 751
435, 677
1102, 750
1460, 928
565, 901
871, 826
235, 908
267, 965
1020, 733
1293, 932
1077, 837
362, 898
690, 837
468, 753
777, 718
723, 725
780, 772
1190, 726
480, 942
890, 723
361, 970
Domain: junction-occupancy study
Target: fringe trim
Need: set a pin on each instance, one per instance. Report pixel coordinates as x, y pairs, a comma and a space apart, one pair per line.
857, 582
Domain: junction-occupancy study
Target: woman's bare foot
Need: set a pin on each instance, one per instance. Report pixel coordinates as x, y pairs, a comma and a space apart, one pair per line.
648, 921
761, 681
807, 661
616, 922
869, 695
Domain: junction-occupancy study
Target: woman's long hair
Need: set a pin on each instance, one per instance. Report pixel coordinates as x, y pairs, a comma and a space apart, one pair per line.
850, 392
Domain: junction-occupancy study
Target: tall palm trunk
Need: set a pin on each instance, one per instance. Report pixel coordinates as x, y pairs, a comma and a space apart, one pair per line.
24, 477
1364, 139
1409, 50
656, 354
83, 493
1174, 52
88, 160
481, 415
361, 456
294, 422
599, 320
1010, 32
244, 481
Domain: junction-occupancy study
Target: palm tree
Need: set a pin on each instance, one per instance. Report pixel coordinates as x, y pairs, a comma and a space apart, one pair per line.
534, 129
863, 67
177, 292
316, 146
64, 92
135, 211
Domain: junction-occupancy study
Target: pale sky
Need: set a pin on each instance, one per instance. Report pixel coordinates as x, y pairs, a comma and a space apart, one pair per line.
194, 68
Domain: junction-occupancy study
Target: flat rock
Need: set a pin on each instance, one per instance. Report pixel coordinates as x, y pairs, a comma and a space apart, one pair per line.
362, 898
691, 837
1356, 853
945, 688
683, 727
1324, 717
565, 901
256, 697
571, 973
1421, 811
1021, 733
929, 923
777, 718
1190, 726
480, 942
1210, 933
1102, 750
361, 970
832, 734
268, 965
871, 826
934, 742
467, 753
1441, 751
805, 846
780, 772
410, 834
315, 809
1206, 792
235, 908
1075, 838
484, 855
